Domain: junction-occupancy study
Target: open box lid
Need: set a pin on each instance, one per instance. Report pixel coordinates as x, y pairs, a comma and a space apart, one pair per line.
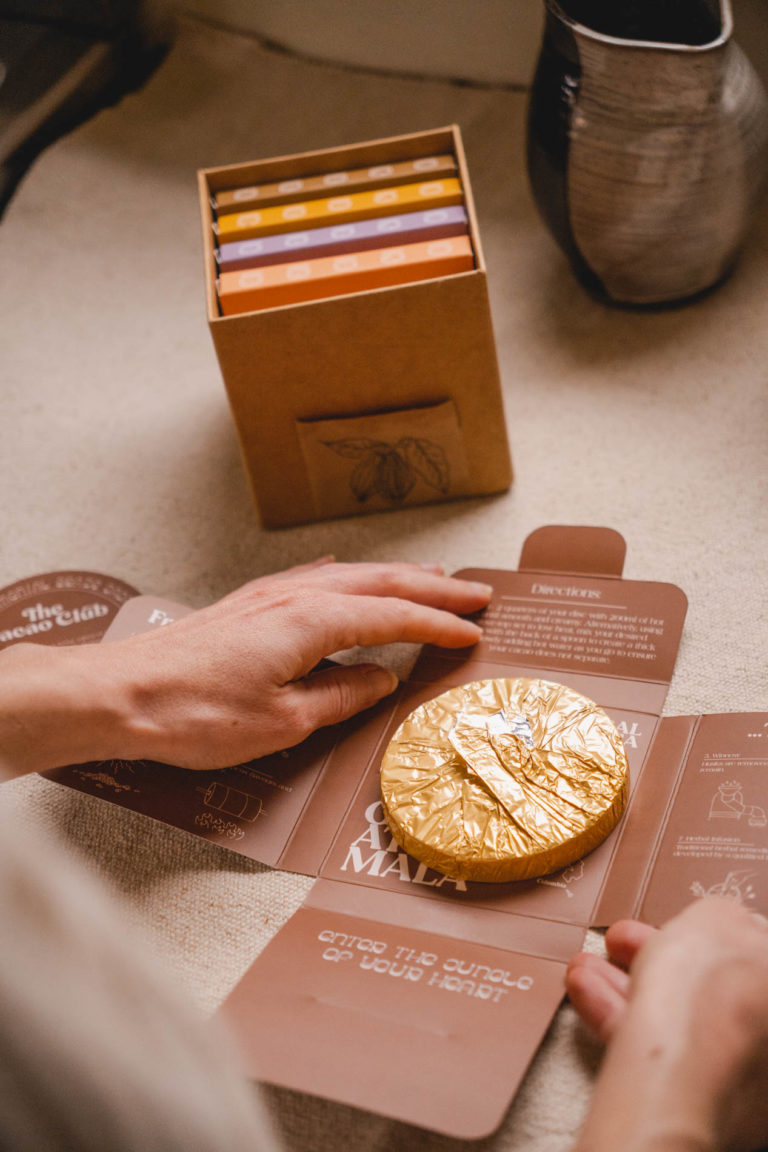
576, 549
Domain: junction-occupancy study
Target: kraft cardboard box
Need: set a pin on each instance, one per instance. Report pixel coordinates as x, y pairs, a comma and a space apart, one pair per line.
371, 400
391, 979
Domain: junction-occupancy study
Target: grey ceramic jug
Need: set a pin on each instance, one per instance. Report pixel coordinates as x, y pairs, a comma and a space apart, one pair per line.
647, 139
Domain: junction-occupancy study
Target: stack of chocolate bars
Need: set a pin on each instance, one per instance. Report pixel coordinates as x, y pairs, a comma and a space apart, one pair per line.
321, 235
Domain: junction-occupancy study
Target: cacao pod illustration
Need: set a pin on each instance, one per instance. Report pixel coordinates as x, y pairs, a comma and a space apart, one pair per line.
428, 460
364, 478
390, 470
394, 476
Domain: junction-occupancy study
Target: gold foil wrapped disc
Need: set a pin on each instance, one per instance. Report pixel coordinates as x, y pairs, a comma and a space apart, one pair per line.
503, 780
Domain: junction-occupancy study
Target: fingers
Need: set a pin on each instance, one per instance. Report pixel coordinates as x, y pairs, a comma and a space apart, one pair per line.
599, 988
335, 694
625, 938
420, 584
718, 912
378, 603
598, 991
369, 620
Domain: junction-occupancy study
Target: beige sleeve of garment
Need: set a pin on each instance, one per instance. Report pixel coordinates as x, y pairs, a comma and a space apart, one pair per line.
97, 1051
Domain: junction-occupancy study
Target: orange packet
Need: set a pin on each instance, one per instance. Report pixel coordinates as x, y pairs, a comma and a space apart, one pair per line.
257, 288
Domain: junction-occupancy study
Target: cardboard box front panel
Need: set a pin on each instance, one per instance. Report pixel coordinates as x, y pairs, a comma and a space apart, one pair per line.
412, 369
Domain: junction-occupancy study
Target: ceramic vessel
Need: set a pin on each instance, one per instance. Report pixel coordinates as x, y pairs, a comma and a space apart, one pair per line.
647, 139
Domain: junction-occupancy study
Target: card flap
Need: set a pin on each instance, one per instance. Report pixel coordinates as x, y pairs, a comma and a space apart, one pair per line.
417, 1026
714, 838
644, 820
576, 550
142, 614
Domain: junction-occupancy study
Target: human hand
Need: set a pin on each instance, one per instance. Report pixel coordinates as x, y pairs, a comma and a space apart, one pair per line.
685, 1013
599, 986
234, 681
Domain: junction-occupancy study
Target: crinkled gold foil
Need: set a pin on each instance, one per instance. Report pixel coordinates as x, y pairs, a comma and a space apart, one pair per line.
503, 780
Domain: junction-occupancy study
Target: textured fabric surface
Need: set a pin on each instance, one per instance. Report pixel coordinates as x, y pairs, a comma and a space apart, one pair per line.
119, 456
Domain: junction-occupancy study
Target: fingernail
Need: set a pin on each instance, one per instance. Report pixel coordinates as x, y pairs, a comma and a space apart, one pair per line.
438, 568
485, 590
382, 681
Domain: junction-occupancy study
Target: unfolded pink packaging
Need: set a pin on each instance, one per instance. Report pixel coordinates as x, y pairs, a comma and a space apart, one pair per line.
392, 980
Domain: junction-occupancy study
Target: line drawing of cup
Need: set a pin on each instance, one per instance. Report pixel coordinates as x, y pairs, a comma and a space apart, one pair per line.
232, 801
